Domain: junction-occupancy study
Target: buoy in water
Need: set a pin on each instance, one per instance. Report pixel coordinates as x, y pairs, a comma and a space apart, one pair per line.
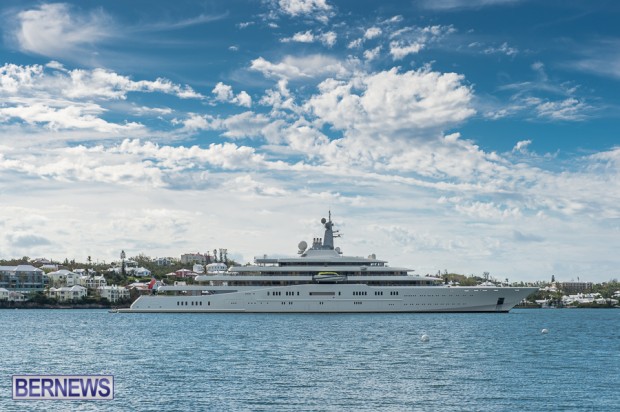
424, 338
544, 331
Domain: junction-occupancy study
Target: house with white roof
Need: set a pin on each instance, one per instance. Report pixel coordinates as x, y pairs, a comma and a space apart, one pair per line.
67, 294
141, 272
93, 282
63, 277
4, 294
49, 267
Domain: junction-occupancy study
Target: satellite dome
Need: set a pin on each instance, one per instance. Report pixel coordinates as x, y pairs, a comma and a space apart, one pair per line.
323, 220
302, 245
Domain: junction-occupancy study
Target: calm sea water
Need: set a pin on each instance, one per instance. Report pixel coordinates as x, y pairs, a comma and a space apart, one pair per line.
265, 362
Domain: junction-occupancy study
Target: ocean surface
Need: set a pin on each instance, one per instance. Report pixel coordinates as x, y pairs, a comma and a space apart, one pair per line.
322, 362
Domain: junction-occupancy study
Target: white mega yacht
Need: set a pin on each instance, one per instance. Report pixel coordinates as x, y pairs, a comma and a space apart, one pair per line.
321, 279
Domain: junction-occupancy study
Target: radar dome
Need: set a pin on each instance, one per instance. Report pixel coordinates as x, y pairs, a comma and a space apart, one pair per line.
323, 220
302, 245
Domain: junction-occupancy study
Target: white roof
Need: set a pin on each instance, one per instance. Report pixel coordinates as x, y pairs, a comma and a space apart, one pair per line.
27, 268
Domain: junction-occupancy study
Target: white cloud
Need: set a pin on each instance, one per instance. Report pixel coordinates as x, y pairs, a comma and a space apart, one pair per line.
68, 117
318, 9
567, 109
488, 211
372, 53
538, 99
410, 40
355, 43
399, 50
243, 99
463, 4
224, 93
61, 99
328, 38
292, 67
306, 37
504, 48
522, 146
372, 32
391, 102
56, 30
145, 111
98, 83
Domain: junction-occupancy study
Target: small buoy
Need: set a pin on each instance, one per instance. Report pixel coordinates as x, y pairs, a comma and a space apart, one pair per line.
424, 338
544, 331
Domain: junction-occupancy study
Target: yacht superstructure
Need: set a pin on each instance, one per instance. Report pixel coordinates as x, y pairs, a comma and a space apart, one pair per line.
322, 279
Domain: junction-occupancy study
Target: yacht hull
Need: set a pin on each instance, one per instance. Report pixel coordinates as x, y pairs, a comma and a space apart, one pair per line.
349, 298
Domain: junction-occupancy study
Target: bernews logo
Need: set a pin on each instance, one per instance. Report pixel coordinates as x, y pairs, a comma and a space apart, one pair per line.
63, 387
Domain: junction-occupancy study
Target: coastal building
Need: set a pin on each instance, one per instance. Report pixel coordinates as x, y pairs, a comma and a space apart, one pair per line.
41, 261
165, 261
587, 299
130, 265
93, 282
182, 273
63, 277
191, 258
23, 278
139, 288
49, 267
575, 287
11, 296
141, 272
113, 293
67, 294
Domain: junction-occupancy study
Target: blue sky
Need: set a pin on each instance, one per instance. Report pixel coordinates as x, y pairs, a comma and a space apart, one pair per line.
466, 136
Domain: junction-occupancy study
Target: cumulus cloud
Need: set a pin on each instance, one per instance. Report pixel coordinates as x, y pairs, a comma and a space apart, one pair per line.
224, 93
317, 9
389, 101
